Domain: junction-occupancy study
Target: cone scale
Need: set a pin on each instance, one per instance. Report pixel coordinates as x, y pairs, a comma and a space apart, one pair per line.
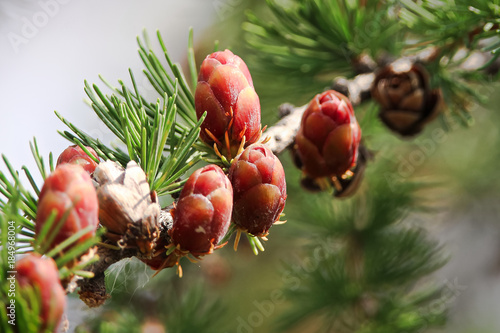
225, 91
259, 187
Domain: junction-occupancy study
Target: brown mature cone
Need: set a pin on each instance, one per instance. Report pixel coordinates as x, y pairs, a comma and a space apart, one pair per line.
127, 208
406, 101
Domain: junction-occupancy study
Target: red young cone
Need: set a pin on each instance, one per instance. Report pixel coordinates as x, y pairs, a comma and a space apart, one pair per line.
203, 212
329, 135
76, 155
41, 274
259, 189
70, 193
225, 90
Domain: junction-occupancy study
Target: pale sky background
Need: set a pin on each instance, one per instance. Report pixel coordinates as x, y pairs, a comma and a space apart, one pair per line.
49, 47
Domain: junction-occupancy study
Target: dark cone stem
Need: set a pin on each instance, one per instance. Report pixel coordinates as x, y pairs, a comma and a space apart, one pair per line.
93, 291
